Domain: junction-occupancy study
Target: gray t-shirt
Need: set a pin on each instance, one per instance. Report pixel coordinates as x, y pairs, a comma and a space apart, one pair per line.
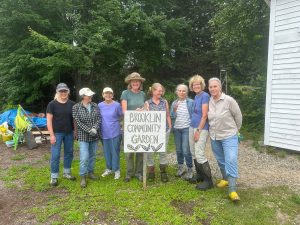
134, 100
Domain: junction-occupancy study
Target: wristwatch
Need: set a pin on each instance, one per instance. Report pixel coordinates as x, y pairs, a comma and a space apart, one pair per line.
198, 130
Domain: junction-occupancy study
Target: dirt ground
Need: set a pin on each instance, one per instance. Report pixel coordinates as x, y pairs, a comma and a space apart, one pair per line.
255, 169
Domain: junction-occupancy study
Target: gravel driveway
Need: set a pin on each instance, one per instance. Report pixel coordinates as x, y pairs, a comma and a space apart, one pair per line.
258, 169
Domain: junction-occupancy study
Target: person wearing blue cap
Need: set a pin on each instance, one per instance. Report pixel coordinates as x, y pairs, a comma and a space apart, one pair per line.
61, 129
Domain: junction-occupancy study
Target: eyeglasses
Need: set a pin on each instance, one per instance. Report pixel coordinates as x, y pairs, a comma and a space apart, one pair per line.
196, 84
63, 91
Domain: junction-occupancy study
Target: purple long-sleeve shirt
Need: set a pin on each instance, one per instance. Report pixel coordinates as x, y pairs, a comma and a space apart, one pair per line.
110, 114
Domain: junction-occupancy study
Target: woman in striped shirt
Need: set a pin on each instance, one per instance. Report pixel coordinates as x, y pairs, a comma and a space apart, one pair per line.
181, 112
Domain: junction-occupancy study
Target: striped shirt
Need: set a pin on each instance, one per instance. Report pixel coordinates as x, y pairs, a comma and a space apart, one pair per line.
183, 116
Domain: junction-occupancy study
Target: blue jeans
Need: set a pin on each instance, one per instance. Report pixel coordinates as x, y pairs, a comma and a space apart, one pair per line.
111, 148
68, 140
87, 157
226, 153
182, 146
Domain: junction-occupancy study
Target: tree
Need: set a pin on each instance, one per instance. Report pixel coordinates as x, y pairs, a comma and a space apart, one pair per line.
82, 43
240, 33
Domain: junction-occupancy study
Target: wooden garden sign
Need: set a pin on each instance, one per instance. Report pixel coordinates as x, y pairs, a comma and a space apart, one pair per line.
144, 132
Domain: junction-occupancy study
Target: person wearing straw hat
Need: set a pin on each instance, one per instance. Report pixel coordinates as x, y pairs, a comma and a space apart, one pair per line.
61, 130
111, 112
88, 121
133, 99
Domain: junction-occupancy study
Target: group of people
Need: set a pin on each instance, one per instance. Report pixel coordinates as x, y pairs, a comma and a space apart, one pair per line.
192, 121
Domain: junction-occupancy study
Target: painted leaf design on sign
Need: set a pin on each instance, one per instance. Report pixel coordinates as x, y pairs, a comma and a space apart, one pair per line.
130, 147
157, 148
136, 147
146, 148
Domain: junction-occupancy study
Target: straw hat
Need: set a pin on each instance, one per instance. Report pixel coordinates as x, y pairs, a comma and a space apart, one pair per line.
134, 76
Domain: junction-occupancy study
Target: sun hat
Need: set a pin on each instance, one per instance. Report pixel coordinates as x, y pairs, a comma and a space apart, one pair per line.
62, 86
86, 92
107, 89
134, 76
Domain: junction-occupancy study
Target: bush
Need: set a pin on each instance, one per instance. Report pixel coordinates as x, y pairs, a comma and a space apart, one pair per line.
251, 99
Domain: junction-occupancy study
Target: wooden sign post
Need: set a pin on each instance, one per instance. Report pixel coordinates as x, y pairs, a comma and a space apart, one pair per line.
144, 132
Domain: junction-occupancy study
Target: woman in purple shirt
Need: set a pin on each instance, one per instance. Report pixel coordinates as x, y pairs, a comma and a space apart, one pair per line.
111, 113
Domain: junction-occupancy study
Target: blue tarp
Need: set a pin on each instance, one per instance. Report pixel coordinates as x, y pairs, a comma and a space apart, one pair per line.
10, 115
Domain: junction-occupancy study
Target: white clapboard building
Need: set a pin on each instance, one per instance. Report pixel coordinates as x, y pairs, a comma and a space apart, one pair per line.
282, 118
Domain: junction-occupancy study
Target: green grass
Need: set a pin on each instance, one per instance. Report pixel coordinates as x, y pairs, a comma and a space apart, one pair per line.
171, 144
18, 157
176, 202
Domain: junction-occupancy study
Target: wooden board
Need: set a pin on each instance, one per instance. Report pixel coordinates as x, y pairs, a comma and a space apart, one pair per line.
44, 132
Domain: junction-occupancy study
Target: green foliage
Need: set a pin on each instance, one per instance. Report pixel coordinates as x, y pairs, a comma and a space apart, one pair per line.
81, 43
251, 99
240, 34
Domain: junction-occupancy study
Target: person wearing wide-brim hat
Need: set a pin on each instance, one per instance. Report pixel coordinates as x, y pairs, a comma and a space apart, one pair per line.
61, 130
133, 99
134, 76
87, 120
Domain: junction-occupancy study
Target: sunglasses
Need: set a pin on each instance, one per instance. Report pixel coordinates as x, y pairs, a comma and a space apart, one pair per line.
63, 91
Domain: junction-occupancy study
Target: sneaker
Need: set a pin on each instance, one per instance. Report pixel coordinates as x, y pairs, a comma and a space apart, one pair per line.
53, 182
117, 175
180, 171
189, 174
92, 176
222, 184
69, 176
234, 197
106, 173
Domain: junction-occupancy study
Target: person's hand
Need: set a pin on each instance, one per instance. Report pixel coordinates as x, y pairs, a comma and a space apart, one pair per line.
196, 136
52, 139
93, 131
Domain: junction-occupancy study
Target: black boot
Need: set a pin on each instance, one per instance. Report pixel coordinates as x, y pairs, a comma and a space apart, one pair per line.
207, 183
198, 177
163, 173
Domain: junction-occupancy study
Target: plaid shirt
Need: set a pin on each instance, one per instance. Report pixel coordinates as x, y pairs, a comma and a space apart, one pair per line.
86, 120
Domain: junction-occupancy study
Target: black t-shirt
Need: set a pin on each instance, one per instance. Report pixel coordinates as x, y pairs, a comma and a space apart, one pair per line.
62, 121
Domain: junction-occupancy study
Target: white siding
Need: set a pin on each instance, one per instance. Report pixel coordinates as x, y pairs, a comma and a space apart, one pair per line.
282, 123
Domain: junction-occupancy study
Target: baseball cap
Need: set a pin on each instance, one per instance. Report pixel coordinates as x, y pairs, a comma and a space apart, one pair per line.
62, 86
107, 89
86, 92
